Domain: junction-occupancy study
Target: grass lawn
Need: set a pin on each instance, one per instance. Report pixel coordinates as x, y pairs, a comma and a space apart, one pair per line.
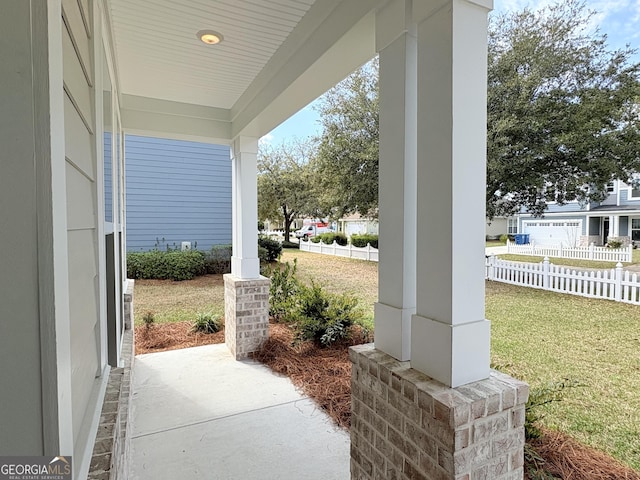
538, 336
178, 301
494, 243
569, 262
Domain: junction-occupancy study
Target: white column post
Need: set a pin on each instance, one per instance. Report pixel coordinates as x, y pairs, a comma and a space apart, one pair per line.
244, 262
396, 43
450, 337
616, 226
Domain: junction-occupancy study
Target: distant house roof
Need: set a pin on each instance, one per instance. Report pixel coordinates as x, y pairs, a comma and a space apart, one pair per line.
615, 208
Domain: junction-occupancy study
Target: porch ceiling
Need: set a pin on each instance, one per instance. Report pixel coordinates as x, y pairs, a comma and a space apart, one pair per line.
268, 46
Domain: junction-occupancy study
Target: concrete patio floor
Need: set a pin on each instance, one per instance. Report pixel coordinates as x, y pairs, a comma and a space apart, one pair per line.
199, 414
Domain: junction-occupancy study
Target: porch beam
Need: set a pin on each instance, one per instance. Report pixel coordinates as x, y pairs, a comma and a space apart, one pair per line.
450, 336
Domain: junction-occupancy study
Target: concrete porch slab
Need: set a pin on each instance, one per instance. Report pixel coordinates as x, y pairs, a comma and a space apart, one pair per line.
199, 414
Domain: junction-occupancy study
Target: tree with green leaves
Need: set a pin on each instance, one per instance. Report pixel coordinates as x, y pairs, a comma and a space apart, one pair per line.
563, 118
286, 183
347, 160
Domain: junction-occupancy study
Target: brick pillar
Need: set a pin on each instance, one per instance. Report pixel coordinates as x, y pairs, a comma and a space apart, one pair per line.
246, 323
404, 424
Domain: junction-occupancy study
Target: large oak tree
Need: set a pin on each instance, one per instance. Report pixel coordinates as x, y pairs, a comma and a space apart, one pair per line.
562, 110
286, 183
563, 117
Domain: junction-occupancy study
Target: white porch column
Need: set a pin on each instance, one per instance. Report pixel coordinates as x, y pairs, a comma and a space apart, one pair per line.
244, 262
397, 45
246, 293
616, 226
450, 337
445, 395
611, 229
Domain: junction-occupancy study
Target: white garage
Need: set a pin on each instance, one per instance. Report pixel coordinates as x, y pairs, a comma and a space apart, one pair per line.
556, 232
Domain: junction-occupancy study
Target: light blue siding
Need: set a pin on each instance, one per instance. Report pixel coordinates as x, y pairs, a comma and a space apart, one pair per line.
625, 198
177, 191
108, 190
567, 207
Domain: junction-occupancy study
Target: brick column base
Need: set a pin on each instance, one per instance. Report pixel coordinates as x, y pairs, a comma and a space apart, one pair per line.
246, 319
405, 425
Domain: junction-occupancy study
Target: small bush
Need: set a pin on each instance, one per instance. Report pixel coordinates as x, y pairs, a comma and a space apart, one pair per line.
149, 319
539, 397
504, 237
207, 323
218, 259
329, 238
315, 239
614, 243
273, 248
284, 287
170, 264
289, 244
363, 240
323, 317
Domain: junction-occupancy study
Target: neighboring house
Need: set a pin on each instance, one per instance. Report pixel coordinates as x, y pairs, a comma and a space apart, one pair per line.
498, 226
355, 224
177, 191
572, 224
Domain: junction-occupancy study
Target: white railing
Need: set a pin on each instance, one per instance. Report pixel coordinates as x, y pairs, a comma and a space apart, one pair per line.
581, 253
614, 284
363, 253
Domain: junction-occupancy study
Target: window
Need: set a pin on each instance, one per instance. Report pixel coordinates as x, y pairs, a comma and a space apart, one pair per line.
512, 226
635, 192
611, 187
635, 229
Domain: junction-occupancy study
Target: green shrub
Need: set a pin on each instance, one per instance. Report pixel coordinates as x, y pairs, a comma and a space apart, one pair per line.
363, 240
283, 290
323, 317
273, 248
218, 259
538, 398
504, 237
170, 264
329, 238
614, 243
207, 323
149, 319
289, 244
315, 239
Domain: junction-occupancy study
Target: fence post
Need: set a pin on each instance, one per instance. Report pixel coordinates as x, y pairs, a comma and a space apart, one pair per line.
508, 246
350, 250
591, 250
545, 273
368, 252
560, 251
334, 248
618, 291
630, 252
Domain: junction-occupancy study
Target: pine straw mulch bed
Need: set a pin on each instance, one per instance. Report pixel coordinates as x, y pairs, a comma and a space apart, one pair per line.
324, 374
161, 337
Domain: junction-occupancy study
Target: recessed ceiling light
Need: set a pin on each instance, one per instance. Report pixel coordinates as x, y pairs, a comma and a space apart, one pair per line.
210, 37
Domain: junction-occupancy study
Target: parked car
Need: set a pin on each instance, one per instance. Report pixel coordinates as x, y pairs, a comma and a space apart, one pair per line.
312, 230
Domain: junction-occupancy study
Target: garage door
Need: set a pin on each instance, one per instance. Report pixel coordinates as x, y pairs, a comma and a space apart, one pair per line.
547, 232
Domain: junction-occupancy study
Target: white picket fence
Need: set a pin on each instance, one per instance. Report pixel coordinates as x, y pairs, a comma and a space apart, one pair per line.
363, 253
615, 284
582, 253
